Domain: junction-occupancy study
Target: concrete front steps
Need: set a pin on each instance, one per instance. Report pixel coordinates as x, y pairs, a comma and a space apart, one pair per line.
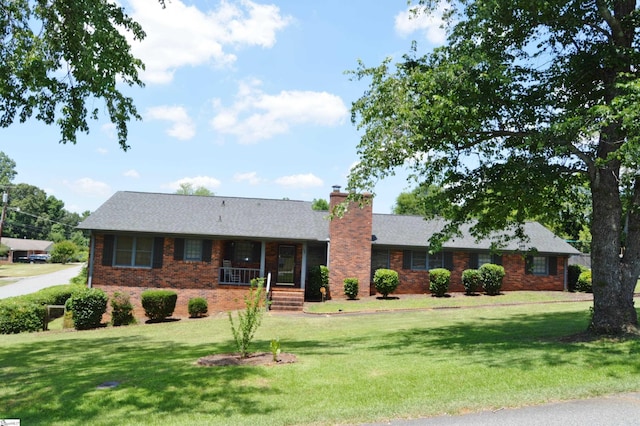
287, 300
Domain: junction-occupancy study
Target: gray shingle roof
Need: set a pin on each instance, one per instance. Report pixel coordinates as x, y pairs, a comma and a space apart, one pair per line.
415, 231
21, 244
209, 216
173, 214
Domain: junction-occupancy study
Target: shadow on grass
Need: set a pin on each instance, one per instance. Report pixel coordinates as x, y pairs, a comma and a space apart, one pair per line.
47, 384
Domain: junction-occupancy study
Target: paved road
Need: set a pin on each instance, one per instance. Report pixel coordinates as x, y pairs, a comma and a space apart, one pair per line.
613, 410
32, 284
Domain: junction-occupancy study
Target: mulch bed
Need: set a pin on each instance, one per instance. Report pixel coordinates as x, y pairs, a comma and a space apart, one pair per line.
259, 358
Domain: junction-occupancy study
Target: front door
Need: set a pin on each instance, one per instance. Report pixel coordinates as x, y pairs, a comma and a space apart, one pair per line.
286, 265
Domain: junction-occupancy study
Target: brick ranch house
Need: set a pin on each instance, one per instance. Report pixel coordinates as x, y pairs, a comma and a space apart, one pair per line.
212, 247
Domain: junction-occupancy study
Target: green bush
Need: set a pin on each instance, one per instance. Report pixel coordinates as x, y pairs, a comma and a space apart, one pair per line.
88, 305
439, 279
492, 276
82, 277
318, 278
471, 280
386, 281
573, 273
198, 307
18, 317
158, 304
63, 252
56, 295
584, 282
351, 287
121, 309
250, 319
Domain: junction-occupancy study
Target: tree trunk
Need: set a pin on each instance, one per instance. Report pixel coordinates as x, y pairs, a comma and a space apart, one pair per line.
613, 277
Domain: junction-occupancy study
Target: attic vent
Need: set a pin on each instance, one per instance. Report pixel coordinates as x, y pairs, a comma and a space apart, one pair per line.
222, 203
219, 218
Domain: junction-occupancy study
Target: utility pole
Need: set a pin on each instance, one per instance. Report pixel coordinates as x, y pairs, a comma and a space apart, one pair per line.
5, 198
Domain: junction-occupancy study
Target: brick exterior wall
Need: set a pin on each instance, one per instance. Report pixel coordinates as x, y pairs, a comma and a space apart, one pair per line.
417, 282
350, 249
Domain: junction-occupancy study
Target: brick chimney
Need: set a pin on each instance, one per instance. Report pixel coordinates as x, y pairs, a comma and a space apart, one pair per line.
350, 244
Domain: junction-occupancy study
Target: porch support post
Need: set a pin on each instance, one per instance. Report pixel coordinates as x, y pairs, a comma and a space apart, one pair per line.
263, 256
303, 271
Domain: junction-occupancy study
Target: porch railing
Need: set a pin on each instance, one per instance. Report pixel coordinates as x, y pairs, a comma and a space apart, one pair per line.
237, 276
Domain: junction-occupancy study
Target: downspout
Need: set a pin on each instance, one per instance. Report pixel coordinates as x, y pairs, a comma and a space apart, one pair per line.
91, 260
303, 271
566, 273
263, 255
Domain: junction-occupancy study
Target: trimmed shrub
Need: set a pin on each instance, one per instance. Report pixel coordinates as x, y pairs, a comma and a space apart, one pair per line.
158, 304
573, 273
198, 307
88, 305
386, 281
17, 317
584, 282
492, 276
121, 309
351, 287
471, 280
318, 278
439, 279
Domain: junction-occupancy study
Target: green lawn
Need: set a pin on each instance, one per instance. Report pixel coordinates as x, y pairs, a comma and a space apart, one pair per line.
351, 368
20, 270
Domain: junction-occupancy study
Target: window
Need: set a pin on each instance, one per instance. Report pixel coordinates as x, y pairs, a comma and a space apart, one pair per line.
539, 265
379, 260
243, 251
422, 260
133, 251
193, 250
484, 258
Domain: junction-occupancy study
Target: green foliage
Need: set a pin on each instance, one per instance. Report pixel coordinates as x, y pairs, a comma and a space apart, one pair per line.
318, 278
63, 252
275, 348
7, 169
584, 282
4, 250
121, 309
187, 188
471, 280
320, 204
249, 320
158, 304
17, 317
573, 272
198, 307
386, 281
492, 276
91, 40
416, 202
351, 287
82, 277
88, 305
439, 279
497, 121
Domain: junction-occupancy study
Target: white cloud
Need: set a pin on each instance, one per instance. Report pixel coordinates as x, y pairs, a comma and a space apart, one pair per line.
89, 187
182, 35
102, 151
308, 180
182, 127
430, 24
131, 173
250, 177
197, 181
256, 115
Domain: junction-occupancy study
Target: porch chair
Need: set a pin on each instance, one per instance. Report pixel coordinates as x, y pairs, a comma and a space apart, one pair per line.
230, 275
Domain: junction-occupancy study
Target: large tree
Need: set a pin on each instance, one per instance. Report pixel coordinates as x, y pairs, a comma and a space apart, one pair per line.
58, 58
526, 101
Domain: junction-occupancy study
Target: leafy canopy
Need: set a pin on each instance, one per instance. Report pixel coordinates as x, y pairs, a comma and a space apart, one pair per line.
58, 58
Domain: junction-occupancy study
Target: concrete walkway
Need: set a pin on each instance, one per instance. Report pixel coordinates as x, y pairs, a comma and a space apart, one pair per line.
32, 284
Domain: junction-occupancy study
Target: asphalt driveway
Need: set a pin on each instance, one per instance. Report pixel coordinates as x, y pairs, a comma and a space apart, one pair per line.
29, 285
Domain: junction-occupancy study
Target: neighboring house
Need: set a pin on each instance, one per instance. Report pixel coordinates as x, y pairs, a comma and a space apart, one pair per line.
212, 247
21, 249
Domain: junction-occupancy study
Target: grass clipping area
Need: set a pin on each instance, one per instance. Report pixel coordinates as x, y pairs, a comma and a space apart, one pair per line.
350, 369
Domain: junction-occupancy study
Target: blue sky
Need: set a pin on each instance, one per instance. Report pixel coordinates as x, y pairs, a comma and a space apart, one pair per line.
248, 99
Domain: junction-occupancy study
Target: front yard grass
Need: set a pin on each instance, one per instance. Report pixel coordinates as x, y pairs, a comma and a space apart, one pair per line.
21, 270
351, 368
